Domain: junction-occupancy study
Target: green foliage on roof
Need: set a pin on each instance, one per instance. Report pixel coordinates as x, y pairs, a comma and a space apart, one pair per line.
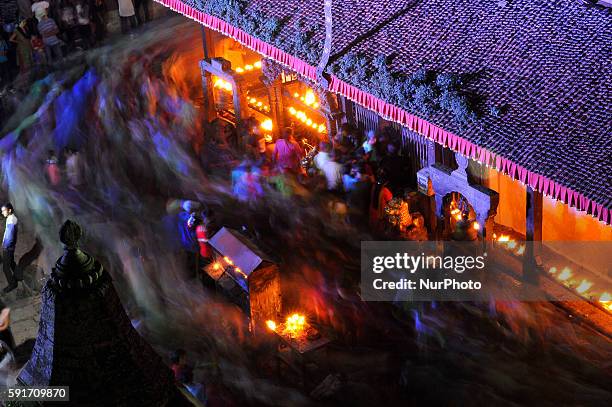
266, 28
424, 92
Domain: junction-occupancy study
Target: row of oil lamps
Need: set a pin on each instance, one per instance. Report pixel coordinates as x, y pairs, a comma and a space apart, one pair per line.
218, 265
308, 99
565, 276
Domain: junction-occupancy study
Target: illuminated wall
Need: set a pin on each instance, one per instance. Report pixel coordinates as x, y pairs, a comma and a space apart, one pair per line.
512, 200
561, 222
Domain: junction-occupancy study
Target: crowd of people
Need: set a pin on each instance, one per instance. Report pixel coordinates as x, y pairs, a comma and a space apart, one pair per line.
141, 142
357, 173
35, 34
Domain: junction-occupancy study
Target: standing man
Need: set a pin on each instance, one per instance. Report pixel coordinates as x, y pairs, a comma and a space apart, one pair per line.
8, 247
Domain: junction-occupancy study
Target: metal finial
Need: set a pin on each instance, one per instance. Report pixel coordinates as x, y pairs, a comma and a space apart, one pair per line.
70, 233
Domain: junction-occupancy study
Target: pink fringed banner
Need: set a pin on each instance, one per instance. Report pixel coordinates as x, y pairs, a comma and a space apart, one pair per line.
398, 115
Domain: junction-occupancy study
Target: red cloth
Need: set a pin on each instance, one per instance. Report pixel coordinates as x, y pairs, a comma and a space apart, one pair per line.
377, 214
202, 237
176, 369
53, 173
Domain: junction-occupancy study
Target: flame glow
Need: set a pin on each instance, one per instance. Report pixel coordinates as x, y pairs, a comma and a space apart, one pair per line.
503, 238
301, 116
295, 324
239, 271
267, 125
566, 273
258, 105
606, 301
584, 285
221, 84
248, 67
271, 325
309, 98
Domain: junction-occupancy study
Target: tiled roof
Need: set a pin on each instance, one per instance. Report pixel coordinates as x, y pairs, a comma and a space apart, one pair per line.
546, 64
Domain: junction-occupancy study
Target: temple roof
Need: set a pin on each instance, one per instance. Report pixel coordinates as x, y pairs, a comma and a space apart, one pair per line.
537, 73
546, 64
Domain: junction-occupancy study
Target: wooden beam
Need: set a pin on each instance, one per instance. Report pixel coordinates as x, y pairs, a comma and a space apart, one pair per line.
533, 212
533, 233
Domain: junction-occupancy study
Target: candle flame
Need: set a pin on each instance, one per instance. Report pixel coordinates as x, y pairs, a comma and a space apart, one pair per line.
295, 324
267, 125
221, 84
310, 98
584, 285
566, 273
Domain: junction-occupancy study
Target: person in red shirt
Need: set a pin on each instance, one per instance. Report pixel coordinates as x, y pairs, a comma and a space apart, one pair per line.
196, 222
381, 195
202, 236
52, 169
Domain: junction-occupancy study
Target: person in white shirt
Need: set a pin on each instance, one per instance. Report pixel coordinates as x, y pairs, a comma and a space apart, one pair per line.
322, 156
127, 15
73, 168
333, 174
39, 8
9, 242
324, 161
